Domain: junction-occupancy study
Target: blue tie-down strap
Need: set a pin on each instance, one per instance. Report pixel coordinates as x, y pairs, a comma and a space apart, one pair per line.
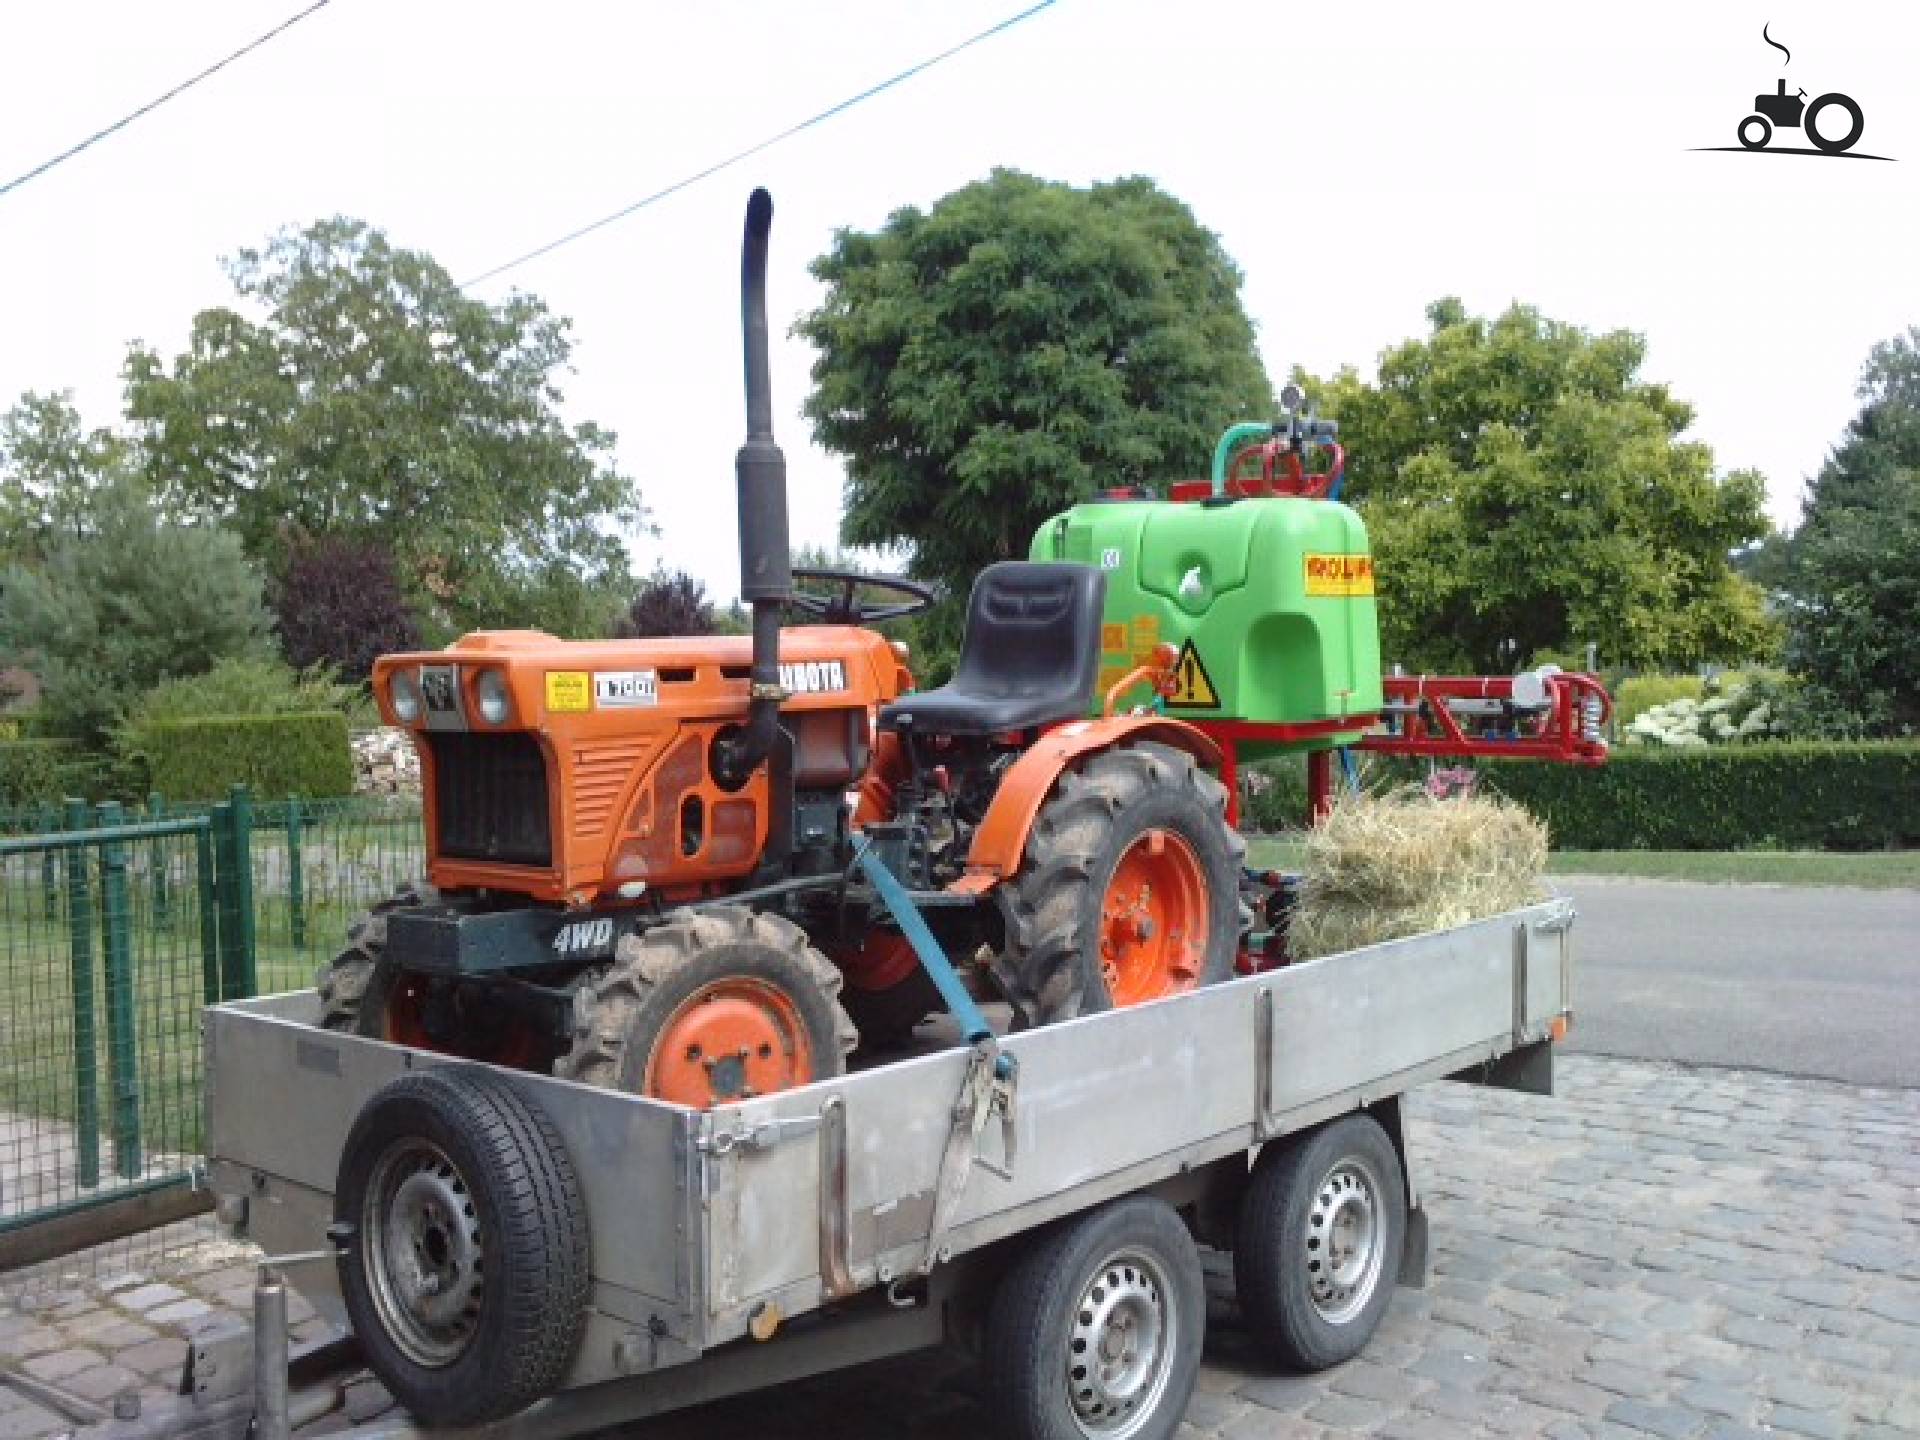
932, 958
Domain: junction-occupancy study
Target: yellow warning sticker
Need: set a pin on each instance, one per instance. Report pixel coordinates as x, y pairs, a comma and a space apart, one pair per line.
569, 692
1194, 687
1339, 574
1113, 637
1145, 632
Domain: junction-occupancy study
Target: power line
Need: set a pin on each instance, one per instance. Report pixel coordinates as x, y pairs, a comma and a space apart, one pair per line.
755, 149
152, 105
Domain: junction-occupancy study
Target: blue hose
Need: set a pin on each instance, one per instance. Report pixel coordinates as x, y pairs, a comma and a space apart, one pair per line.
1350, 768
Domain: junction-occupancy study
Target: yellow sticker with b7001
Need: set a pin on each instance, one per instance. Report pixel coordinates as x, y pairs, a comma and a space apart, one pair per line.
569, 692
1339, 574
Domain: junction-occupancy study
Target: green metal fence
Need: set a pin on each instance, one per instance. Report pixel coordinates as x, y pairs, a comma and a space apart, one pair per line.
115, 930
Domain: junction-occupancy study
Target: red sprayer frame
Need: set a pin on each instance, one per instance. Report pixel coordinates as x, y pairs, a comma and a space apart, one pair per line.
1566, 729
1418, 720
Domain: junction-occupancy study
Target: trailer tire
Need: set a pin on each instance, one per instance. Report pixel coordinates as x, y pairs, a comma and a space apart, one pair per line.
353, 985
466, 1276
638, 1027
1097, 1329
1317, 1250
1122, 822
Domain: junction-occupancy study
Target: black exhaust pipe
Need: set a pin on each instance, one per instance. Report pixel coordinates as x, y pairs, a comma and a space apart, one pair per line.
766, 581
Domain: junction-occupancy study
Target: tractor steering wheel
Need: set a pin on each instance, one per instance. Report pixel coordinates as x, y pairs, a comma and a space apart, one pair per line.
844, 607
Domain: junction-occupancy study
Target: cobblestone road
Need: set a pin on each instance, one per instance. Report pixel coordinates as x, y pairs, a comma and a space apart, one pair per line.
1655, 1251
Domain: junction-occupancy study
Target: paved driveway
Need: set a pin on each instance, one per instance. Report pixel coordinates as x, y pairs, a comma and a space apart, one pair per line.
1654, 1251
1798, 980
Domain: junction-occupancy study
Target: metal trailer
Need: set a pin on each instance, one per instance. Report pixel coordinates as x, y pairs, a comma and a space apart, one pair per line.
876, 1213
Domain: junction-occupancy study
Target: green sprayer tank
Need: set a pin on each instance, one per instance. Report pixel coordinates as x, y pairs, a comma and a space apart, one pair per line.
1268, 599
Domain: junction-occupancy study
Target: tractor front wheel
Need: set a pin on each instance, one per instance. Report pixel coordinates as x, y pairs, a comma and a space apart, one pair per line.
364, 990
724, 1004
355, 984
1128, 892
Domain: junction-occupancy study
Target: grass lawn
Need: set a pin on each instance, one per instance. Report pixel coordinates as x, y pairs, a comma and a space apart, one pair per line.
1873, 870
157, 1046
1870, 870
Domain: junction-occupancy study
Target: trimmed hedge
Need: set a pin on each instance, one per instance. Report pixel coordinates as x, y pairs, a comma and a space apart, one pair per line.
276, 756
1796, 796
32, 772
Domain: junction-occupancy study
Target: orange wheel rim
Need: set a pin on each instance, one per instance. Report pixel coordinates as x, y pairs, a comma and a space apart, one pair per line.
731, 1040
1153, 920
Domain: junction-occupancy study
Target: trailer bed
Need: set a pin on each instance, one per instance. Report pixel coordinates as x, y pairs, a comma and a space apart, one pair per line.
707, 1226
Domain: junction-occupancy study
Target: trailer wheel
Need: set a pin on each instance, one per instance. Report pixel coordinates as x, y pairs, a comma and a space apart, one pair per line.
1096, 1332
719, 1005
1317, 1251
1129, 890
353, 985
466, 1278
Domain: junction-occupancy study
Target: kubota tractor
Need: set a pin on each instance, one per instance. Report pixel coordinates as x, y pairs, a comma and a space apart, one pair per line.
644, 856
699, 868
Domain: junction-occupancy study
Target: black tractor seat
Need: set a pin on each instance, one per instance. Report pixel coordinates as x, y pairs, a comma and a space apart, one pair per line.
1029, 657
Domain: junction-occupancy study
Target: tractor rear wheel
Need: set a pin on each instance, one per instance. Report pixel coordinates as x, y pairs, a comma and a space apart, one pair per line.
1129, 890
354, 984
723, 1004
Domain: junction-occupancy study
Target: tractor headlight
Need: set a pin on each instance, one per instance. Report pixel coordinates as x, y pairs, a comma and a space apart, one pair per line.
405, 694
496, 702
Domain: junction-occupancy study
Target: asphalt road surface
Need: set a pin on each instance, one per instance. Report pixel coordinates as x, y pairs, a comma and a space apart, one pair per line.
1797, 980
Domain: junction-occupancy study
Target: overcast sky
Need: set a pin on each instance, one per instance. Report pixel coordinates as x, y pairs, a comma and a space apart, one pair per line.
1358, 161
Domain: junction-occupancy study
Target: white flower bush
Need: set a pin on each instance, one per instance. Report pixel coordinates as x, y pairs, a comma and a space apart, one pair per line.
1727, 719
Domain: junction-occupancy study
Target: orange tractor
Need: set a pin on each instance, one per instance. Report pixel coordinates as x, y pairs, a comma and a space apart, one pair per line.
707, 868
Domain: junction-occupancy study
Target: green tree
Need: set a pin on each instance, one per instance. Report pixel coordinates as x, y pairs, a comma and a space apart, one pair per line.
363, 395
1527, 492
988, 362
1853, 566
52, 470
134, 601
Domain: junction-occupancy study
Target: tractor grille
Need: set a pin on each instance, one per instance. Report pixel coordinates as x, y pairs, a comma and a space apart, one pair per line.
490, 794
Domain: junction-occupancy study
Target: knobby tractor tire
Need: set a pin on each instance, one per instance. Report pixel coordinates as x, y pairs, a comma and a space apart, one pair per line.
353, 985
1130, 851
466, 1275
713, 1005
886, 1019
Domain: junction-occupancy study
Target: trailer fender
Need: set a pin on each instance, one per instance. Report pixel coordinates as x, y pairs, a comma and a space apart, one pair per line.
1413, 1258
1001, 840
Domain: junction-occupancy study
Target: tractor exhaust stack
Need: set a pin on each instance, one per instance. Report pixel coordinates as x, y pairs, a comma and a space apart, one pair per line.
766, 583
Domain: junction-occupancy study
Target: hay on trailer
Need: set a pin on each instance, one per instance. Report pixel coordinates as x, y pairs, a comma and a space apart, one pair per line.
1387, 866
